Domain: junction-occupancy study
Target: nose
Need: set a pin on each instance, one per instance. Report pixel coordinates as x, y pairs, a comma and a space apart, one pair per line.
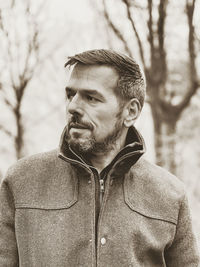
74, 106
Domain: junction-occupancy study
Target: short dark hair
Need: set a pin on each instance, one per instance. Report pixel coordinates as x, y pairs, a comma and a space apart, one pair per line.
131, 83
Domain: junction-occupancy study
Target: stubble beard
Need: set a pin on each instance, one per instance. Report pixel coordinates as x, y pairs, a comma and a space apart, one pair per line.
90, 145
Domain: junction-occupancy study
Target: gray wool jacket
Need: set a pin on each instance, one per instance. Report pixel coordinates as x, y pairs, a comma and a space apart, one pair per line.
51, 215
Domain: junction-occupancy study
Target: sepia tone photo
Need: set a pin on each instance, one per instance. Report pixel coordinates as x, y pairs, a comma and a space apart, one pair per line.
99, 130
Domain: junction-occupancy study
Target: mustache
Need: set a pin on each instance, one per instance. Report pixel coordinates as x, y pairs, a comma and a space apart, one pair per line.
76, 122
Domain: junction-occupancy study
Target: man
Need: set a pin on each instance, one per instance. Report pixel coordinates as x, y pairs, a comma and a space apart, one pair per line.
96, 201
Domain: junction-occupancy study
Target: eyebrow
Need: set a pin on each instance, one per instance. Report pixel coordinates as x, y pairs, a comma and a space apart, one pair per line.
86, 91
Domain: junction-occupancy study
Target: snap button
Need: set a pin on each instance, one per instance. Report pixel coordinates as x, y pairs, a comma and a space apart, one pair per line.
89, 181
103, 241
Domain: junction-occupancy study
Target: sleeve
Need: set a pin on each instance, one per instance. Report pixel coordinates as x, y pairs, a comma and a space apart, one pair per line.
8, 244
183, 252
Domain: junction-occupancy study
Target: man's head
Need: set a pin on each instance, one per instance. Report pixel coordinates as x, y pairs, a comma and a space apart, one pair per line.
105, 95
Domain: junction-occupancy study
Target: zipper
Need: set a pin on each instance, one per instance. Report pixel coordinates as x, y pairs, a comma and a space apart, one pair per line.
102, 188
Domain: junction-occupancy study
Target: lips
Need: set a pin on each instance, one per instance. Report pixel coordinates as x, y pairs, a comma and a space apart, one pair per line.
78, 126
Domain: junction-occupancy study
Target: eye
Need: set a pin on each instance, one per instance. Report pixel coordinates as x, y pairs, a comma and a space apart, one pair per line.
91, 98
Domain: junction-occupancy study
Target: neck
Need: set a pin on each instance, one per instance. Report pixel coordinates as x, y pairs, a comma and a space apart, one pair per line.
102, 159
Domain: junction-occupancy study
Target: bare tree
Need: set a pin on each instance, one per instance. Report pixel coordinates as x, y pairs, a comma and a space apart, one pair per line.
165, 113
21, 57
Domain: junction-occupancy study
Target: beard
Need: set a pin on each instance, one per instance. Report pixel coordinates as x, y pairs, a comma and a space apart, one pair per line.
89, 145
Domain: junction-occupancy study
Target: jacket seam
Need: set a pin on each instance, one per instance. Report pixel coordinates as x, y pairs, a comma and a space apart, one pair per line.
177, 221
72, 161
27, 206
11, 191
21, 205
152, 216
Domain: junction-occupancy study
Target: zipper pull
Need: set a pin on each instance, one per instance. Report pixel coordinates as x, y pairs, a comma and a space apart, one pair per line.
101, 185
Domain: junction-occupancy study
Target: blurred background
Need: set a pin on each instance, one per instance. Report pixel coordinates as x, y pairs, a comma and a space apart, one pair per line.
37, 36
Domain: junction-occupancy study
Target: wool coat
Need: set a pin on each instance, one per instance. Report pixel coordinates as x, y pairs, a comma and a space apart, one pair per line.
51, 214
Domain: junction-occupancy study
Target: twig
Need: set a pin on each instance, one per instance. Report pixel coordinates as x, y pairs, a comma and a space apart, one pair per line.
116, 31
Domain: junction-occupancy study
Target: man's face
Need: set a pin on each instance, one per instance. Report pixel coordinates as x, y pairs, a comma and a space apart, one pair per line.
93, 113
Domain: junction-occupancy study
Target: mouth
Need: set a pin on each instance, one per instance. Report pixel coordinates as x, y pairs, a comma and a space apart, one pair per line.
78, 126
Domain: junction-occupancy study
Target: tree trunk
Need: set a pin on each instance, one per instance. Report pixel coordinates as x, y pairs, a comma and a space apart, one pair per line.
19, 143
170, 146
158, 140
165, 143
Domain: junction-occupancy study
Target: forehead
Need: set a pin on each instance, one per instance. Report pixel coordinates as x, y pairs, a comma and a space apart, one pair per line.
94, 77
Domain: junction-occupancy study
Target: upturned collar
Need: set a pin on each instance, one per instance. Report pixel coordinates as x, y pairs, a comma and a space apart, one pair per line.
127, 157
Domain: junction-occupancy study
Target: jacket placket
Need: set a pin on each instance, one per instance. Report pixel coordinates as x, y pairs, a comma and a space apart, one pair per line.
98, 206
101, 240
99, 201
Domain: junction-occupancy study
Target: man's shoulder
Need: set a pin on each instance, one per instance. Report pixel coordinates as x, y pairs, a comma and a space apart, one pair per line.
37, 166
154, 191
33, 161
41, 181
156, 175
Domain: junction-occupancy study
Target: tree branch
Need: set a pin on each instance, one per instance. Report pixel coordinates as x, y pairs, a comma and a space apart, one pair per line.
10, 57
194, 83
161, 24
150, 27
135, 31
33, 47
114, 28
3, 129
8, 103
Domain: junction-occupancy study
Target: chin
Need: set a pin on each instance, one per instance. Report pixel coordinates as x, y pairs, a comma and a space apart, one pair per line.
81, 145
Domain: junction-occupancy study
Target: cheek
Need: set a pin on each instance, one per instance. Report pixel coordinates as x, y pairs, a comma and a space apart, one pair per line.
106, 122
105, 116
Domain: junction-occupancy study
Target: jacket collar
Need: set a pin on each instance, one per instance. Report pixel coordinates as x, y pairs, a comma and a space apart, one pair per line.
128, 156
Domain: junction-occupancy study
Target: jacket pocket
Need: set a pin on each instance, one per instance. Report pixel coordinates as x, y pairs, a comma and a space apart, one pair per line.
49, 197
149, 201
47, 206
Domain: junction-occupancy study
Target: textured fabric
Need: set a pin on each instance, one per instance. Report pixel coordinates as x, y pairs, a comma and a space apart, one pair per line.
48, 213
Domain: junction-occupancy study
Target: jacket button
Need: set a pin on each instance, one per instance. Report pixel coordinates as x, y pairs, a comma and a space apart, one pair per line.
89, 181
103, 241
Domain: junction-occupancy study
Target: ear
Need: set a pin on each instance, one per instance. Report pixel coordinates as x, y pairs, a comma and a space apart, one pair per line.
132, 112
